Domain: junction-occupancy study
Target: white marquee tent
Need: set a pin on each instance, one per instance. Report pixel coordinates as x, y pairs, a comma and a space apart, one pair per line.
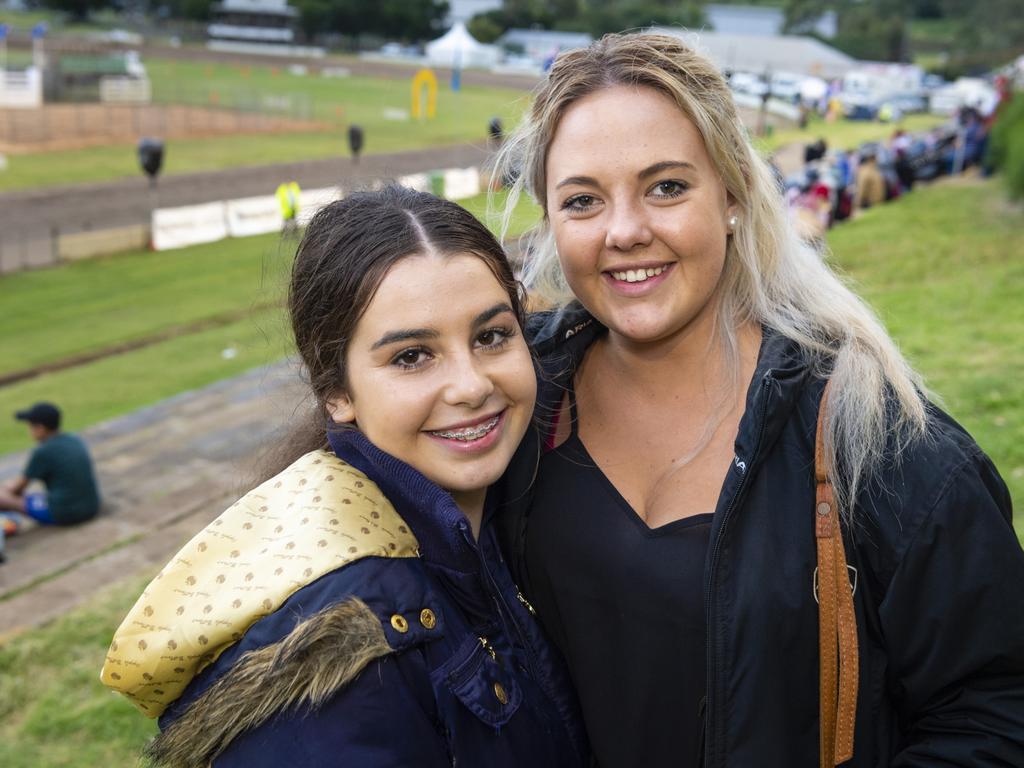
459, 48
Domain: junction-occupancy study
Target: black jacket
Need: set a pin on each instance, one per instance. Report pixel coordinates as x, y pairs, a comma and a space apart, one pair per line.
940, 582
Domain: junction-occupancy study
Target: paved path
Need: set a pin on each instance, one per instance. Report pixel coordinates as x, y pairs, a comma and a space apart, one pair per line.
165, 472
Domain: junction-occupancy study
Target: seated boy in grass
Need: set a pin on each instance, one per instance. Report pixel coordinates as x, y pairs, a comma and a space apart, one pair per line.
62, 463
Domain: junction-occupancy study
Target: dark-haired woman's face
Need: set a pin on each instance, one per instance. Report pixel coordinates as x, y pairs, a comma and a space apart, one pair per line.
439, 375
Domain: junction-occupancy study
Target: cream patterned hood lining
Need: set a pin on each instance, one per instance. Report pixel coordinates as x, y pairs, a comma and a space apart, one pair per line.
316, 516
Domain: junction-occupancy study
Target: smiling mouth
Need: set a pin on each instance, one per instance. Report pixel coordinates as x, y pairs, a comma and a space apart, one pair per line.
638, 275
468, 434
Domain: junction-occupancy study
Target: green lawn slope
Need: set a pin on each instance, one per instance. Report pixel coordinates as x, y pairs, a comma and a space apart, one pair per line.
943, 268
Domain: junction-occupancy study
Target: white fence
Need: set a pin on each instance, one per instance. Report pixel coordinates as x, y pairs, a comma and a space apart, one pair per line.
21, 89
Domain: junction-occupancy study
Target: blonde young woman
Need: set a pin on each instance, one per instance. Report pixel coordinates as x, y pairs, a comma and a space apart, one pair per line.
665, 532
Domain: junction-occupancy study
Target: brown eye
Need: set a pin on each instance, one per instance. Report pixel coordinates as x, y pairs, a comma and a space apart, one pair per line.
494, 338
670, 188
578, 203
409, 359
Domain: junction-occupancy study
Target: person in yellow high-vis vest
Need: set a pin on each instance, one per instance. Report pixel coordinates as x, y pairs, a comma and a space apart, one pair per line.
288, 200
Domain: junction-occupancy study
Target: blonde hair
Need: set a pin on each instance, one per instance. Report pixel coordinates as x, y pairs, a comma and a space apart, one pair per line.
770, 277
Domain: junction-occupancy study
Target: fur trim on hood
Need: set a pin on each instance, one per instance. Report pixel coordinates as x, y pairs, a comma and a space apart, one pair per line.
318, 658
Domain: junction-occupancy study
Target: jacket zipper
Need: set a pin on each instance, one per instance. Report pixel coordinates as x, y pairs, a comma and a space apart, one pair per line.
504, 611
490, 649
706, 702
524, 601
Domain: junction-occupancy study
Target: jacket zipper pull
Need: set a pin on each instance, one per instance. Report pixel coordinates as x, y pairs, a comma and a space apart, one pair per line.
488, 647
525, 602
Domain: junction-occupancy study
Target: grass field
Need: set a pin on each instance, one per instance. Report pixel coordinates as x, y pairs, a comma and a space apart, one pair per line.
94, 304
53, 710
941, 265
334, 102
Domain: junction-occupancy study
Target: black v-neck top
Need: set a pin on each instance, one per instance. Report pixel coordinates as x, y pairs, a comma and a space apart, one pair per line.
624, 603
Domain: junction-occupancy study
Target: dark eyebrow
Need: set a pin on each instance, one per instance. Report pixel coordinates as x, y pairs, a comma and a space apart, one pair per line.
582, 180
418, 334
409, 334
665, 165
488, 314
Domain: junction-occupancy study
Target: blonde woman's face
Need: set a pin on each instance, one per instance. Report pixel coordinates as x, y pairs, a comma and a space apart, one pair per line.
639, 213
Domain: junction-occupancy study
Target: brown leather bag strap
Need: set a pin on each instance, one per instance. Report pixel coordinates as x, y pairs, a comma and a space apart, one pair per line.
837, 622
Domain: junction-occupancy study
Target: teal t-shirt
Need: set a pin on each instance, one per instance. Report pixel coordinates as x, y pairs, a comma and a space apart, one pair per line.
62, 462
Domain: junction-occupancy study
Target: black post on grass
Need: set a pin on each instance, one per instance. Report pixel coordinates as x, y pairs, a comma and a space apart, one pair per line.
151, 158
355, 141
495, 131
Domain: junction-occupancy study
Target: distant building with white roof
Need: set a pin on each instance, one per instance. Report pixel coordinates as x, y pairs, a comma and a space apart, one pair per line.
756, 53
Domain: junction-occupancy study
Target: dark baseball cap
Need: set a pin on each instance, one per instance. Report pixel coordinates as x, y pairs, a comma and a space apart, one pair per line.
46, 414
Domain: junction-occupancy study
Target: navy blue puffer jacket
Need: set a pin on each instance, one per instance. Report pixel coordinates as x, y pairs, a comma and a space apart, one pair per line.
465, 676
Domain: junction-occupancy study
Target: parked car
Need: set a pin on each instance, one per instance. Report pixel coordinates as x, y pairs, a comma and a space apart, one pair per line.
965, 92
908, 102
749, 83
859, 105
786, 86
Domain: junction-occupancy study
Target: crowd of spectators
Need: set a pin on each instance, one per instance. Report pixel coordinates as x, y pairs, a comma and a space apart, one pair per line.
836, 184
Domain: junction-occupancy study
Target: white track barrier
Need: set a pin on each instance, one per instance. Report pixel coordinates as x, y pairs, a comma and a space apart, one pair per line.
418, 181
460, 183
254, 216
189, 225
243, 217
312, 200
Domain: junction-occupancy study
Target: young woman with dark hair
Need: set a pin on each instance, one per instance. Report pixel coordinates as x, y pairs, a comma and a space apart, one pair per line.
353, 609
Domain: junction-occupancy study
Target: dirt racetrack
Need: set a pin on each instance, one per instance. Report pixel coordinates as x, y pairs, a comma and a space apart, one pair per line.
74, 126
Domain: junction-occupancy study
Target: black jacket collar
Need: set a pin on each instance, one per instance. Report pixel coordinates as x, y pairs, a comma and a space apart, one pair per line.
561, 338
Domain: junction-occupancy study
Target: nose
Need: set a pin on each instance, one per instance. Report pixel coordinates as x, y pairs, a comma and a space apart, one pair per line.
627, 227
469, 383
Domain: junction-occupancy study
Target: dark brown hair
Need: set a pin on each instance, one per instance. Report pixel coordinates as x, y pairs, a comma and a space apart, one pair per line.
347, 250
